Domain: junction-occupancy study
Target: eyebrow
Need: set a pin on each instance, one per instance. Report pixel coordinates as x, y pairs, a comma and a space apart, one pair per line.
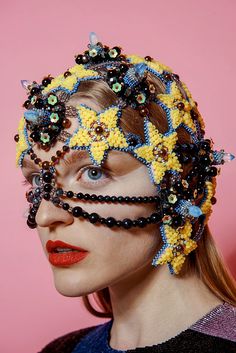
29, 164
74, 156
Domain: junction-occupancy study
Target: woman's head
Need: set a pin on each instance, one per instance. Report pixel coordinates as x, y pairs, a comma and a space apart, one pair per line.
125, 127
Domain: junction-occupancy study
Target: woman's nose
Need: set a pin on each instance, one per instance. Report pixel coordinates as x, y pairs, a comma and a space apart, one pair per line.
48, 214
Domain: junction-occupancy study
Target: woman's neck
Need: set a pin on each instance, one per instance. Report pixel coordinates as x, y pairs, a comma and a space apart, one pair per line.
151, 306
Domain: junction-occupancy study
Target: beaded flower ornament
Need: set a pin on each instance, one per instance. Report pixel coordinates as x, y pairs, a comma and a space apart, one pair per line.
183, 201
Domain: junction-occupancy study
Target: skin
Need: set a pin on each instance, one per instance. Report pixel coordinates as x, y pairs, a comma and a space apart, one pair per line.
149, 304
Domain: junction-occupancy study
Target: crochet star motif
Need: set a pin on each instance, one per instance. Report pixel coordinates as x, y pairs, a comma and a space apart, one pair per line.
174, 100
98, 132
158, 152
179, 245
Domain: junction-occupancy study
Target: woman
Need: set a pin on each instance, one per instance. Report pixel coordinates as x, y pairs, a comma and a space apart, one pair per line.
122, 187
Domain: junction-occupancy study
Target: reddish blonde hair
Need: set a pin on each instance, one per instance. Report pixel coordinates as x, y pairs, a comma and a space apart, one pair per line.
206, 260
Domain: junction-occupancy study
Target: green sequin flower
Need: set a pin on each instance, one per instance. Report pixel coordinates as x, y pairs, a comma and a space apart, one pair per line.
54, 117
116, 87
52, 100
44, 137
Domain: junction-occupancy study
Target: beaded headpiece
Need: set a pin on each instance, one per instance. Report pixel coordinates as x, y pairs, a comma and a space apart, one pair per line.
183, 203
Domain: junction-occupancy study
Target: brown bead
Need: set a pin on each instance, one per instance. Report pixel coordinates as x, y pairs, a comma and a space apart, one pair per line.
45, 165
180, 105
54, 158
45, 147
66, 123
179, 248
33, 156
66, 148
144, 111
99, 130
167, 76
148, 58
193, 114
213, 200
37, 161
16, 137
58, 153
67, 73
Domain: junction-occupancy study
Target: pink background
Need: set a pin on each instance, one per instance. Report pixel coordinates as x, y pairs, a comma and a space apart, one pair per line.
195, 38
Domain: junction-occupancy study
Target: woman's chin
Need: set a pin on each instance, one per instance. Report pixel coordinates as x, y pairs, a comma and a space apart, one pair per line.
72, 284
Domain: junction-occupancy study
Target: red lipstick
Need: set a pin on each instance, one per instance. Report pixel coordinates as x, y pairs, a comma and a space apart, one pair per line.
63, 254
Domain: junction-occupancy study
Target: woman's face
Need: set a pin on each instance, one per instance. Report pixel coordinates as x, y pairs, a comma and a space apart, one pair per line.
114, 254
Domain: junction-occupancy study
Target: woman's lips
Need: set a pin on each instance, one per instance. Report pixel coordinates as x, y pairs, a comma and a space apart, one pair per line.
64, 258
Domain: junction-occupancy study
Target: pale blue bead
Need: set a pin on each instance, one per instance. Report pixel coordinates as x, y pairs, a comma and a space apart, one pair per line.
31, 115
195, 211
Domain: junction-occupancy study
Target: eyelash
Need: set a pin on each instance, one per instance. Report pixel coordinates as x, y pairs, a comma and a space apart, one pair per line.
28, 181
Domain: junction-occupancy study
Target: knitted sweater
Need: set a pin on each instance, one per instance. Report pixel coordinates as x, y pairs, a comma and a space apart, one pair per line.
214, 332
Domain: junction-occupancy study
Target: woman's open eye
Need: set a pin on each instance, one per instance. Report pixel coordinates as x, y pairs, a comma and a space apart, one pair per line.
33, 180
93, 175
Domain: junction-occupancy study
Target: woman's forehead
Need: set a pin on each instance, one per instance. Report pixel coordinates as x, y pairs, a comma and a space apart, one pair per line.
118, 160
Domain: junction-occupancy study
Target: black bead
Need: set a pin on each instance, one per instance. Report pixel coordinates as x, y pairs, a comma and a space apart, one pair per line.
65, 206
35, 136
85, 214
123, 67
47, 177
120, 199
26, 103
86, 197
110, 222
46, 81
31, 218
80, 195
127, 223
155, 217
77, 211
93, 197
47, 188
56, 200
59, 192
34, 90
39, 103
205, 160
213, 171
114, 199
145, 199
46, 196
70, 194
78, 59
100, 198
102, 220
33, 211
177, 221
93, 217
31, 225
107, 198
141, 222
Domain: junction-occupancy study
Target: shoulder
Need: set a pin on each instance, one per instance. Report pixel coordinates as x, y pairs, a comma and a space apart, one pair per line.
219, 322
67, 342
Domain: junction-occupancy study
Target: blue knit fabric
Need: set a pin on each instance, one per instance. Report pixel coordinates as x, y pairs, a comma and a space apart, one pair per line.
97, 341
